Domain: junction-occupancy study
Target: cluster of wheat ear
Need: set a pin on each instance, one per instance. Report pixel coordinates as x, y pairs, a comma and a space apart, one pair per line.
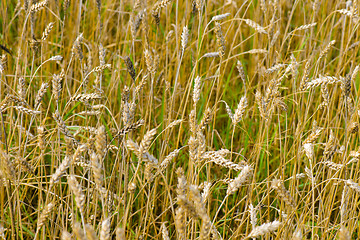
179, 119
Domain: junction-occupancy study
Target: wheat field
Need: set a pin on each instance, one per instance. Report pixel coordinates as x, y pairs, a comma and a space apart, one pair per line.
203, 119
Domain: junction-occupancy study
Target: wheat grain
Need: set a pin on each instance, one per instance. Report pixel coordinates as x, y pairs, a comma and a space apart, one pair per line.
304, 27
326, 49
180, 223
7, 168
146, 141
76, 48
2, 232
130, 67
56, 86
344, 204
65, 235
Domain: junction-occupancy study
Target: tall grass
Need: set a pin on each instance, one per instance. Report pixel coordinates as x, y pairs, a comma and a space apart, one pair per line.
179, 119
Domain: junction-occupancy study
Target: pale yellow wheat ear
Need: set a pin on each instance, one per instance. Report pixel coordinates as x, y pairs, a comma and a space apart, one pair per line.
239, 112
77, 191
40, 94
105, 230
264, 229
21, 88
38, 6
100, 141
344, 233
2, 232
76, 49
239, 180
220, 39
47, 31
79, 232
45, 215
196, 92
201, 211
255, 26
146, 142
184, 38
7, 168
64, 165
253, 218
164, 232
283, 193
62, 126
90, 232
120, 233
97, 169
65, 235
